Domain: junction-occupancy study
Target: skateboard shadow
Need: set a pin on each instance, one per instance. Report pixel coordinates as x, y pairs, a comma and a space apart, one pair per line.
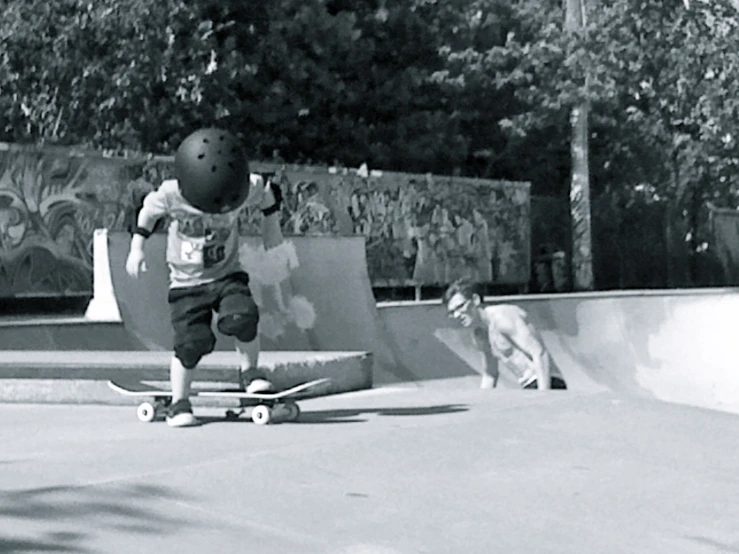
354, 415
719, 546
305, 417
208, 420
326, 417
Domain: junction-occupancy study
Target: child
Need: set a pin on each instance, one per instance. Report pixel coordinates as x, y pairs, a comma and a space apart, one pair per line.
503, 334
212, 186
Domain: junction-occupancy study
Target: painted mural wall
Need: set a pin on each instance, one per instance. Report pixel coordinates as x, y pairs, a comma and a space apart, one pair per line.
420, 229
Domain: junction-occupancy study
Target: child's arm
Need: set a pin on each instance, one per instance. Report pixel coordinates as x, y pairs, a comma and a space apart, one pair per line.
271, 225
269, 199
256, 190
155, 206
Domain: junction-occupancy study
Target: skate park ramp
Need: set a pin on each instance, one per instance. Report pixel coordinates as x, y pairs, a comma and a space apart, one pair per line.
674, 346
314, 294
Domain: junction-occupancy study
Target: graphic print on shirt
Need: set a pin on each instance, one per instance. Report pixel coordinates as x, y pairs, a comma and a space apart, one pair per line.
204, 237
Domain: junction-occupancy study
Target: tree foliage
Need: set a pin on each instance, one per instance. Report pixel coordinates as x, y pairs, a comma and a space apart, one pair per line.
480, 87
108, 74
308, 81
663, 107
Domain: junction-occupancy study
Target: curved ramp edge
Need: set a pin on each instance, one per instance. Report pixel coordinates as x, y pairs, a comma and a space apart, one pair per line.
103, 306
674, 346
314, 294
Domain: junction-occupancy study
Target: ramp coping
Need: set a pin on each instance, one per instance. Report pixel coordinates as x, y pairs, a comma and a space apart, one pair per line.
706, 291
103, 307
31, 321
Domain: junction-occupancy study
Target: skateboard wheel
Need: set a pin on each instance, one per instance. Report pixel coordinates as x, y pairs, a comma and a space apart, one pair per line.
293, 412
146, 412
261, 415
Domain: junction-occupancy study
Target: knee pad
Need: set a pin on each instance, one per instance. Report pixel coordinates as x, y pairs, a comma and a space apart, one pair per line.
191, 352
243, 326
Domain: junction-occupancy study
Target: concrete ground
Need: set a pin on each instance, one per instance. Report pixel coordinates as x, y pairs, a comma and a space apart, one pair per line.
445, 468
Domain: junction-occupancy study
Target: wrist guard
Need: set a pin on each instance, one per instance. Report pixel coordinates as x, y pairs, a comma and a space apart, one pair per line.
277, 191
142, 231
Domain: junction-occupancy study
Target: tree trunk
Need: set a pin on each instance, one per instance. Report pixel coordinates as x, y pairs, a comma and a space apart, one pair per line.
582, 244
668, 243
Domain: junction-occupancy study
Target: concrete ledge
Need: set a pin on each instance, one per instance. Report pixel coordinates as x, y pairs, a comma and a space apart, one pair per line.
80, 377
65, 333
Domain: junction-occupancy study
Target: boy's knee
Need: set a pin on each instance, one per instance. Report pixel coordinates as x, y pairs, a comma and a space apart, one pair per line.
190, 353
238, 312
244, 326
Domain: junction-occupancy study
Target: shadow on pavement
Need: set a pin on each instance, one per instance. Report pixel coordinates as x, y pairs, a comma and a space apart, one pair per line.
70, 516
718, 546
346, 415
52, 542
353, 415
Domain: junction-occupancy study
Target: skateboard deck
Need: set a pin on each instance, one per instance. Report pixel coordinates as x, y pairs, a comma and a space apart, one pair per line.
265, 404
292, 391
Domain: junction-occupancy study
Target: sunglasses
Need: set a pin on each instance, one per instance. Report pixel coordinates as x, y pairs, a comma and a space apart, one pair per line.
455, 311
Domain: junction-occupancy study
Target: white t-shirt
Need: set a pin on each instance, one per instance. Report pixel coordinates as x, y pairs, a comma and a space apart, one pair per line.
201, 247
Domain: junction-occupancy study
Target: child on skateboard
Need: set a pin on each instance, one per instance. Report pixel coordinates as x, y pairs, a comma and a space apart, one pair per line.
503, 334
203, 202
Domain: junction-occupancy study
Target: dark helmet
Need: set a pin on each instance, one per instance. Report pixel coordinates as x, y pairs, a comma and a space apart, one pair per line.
212, 170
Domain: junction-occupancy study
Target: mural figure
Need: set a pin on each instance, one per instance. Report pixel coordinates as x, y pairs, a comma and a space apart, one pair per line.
270, 273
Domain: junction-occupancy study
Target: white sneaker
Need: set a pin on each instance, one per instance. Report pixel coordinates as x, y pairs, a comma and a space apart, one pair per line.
254, 381
259, 385
180, 415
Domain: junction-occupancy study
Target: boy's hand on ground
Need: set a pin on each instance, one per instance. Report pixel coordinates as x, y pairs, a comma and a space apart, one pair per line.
135, 263
489, 382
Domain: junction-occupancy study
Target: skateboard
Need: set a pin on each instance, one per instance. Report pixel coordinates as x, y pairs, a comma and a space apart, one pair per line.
265, 405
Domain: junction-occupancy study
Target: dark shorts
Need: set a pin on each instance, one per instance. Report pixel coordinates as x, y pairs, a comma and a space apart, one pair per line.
192, 309
555, 384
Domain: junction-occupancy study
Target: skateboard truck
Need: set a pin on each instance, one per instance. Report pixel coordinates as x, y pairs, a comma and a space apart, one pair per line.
262, 414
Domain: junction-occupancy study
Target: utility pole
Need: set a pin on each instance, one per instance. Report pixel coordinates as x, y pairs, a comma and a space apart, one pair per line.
582, 243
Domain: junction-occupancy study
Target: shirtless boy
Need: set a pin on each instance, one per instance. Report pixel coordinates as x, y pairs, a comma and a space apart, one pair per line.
504, 335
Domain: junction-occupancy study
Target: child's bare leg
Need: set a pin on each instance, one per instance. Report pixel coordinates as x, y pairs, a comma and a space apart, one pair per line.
248, 353
238, 317
180, 380
180, 411
252, 378
192, 316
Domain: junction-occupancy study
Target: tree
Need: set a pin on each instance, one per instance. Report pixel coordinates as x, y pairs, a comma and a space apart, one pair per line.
582, 244
663, 115
347, 82
313, 81
670, 84
104, 74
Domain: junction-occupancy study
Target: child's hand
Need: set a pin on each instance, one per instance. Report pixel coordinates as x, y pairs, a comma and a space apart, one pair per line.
136, 262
